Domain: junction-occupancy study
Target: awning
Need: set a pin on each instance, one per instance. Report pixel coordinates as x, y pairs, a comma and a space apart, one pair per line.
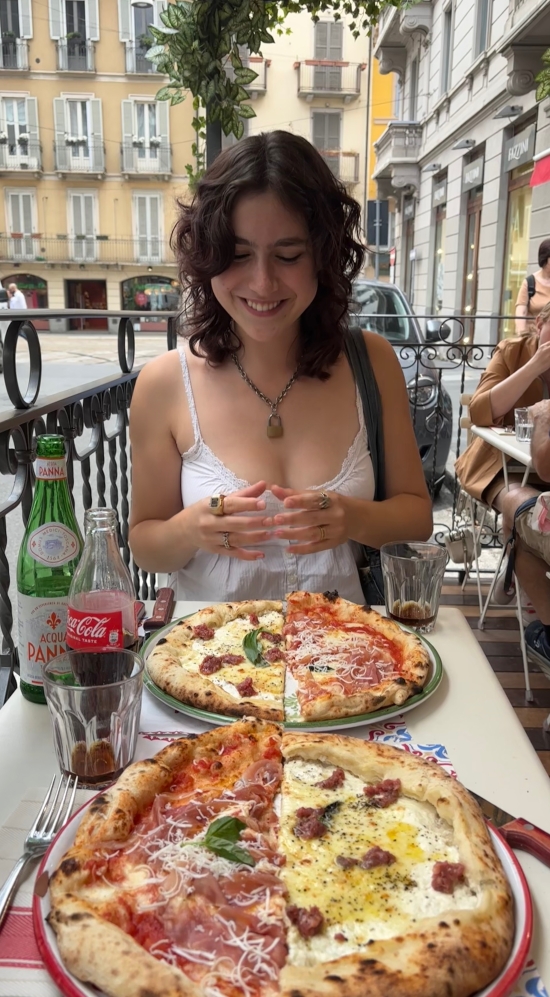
541, 171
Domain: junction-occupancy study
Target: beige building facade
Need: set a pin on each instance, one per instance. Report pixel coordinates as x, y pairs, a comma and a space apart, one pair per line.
91, 164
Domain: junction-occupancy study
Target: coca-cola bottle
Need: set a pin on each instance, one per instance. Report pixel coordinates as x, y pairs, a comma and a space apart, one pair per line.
102, 603
50, 551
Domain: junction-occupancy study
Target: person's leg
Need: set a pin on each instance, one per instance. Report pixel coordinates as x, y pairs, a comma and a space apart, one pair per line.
506, 502
531, 574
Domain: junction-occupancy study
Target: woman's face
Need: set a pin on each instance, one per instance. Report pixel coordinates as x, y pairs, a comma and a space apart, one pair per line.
272, 279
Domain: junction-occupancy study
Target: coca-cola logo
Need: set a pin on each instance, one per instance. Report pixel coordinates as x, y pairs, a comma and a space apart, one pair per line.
94, 627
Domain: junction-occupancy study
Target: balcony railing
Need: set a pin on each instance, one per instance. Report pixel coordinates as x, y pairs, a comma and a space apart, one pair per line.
75, 55
322, 78
136, 59
14, 53
85, 249
149, 158
79, 155
344, 165
20, 156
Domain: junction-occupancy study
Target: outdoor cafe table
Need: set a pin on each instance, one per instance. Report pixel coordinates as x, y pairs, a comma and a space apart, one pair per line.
469, 714
508, 446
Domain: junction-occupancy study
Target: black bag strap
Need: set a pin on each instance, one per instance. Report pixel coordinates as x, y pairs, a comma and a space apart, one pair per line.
531, 289
359, 361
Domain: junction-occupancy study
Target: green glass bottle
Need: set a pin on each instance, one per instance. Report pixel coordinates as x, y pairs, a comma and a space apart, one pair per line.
49, 554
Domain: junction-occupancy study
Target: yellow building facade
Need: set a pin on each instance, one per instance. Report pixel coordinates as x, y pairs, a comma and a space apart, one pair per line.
91, 165
384, 106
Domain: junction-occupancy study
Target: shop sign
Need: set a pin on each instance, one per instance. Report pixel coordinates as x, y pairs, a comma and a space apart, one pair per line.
408, 208
520, 148
472, 174
439, 195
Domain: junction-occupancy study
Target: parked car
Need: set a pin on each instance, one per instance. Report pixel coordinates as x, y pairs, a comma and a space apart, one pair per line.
383, 308
4, 305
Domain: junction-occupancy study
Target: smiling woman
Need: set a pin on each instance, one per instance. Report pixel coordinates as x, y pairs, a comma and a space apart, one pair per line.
256, 476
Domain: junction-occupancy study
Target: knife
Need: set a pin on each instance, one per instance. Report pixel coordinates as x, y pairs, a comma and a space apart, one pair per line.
162, 611
517, 832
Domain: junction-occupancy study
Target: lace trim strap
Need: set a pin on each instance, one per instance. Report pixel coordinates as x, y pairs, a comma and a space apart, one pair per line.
190, 396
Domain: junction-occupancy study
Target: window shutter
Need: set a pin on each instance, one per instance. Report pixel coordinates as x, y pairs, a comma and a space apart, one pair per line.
93, 20
89, 226
28, 226
57, 27
125, 32
333, 131
16, 220
321, 40
98, 154
127, 136
336, 36
25, 18
61, 150
163, 122
77, 215
319, 130
3, 128
154, 208
32, 127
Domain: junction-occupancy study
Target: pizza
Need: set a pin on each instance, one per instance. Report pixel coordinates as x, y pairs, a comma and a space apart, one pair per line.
248, 862
342, 659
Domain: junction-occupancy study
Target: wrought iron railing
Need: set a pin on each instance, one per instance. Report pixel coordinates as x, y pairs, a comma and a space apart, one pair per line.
151, 157
75, 55
325, 77
84, 249
93, 418
14, 53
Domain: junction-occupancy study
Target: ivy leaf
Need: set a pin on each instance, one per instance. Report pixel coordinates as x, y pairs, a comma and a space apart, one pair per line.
244, 76
165, 93
246, 111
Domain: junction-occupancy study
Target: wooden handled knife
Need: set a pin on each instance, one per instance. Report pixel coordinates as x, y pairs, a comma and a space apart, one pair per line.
517, 832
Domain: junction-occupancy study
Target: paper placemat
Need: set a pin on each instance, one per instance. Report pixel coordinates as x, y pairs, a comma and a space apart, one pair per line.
22, 973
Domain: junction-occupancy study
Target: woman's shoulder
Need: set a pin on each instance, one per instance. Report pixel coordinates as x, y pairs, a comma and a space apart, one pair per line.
517, 345
159, 377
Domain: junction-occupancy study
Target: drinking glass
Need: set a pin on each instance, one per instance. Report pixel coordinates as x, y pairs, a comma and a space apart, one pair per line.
94, 700
524, 425
413, 575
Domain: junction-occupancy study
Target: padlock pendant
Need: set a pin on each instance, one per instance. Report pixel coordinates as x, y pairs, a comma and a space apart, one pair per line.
274, 425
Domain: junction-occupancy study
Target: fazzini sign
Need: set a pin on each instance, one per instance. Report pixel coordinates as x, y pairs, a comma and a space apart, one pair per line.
520, 148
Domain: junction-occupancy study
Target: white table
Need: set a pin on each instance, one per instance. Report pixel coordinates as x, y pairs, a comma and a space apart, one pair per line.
508, 446
469, 714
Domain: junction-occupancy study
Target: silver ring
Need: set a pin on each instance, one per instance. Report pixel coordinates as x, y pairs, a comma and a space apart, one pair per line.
226, 543
322, 534
324, 500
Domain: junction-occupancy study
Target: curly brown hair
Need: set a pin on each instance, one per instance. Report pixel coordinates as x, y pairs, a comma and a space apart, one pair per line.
203, 241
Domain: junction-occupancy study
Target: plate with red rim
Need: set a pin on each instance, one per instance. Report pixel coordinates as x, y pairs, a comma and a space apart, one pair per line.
70, 986
293, 720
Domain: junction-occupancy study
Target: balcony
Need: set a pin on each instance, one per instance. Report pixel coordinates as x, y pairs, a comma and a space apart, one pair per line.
146, 159
136, 58
321, 78
395, 28
19, 156
344, 165
397, 153
99, 250
259, 66
75, 55
14, 53
78, 155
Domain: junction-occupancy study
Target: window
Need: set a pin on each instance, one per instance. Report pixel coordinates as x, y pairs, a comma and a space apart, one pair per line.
516, 255
9, 18
326, 138
82, 225
329, 37
143, 19
146, 130
19, 148
15, 114
147, 227
439, 260
78, 129
397, 97
447, 49
75, 18
413, 90
21, 214
78, 135
483, 26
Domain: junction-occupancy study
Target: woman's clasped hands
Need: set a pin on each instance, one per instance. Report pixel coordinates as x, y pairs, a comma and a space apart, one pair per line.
312, 520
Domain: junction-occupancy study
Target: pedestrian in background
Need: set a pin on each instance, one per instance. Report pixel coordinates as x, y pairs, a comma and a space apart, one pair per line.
17, 298
534, 292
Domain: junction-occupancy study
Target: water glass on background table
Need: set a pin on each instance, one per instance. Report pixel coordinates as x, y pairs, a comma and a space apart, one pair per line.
524, 425
413, 575
94, 700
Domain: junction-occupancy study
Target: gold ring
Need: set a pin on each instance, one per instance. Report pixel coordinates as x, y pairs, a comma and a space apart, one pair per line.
322, 534
216, 504
226, 543
324, 500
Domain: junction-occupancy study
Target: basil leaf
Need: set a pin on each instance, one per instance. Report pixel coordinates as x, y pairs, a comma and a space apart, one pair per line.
228, 850
253, 650
228, 828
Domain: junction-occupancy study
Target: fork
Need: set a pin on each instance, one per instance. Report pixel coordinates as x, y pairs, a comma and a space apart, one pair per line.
53, 813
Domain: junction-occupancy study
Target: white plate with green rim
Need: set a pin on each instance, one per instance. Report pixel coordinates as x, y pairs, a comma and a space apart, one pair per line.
293, 721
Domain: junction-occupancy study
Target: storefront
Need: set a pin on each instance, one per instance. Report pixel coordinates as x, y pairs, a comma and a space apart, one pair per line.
150, 292
472, 188
409, 254
518, 164
439, 207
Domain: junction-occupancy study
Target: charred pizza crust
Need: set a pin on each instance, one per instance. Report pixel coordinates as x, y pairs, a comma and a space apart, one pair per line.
456, 954
167, 664
414, 665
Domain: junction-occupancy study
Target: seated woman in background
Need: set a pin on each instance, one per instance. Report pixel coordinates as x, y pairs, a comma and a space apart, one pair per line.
251, 467
518, 375
534, 292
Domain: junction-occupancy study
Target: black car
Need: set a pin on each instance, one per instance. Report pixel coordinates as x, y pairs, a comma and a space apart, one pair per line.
383, 308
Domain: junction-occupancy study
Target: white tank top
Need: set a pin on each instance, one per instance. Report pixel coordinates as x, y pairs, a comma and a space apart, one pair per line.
220, 578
